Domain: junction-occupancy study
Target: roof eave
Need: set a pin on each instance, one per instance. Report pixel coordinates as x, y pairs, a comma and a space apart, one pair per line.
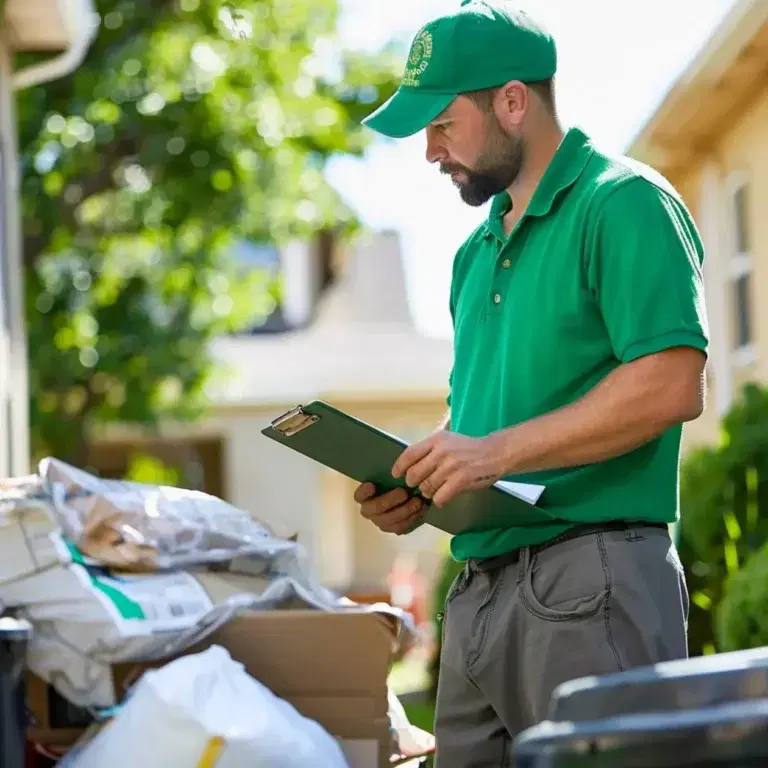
730, 43
65, 28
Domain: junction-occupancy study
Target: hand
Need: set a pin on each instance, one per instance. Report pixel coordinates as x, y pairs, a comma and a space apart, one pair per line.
392, 512
447, 464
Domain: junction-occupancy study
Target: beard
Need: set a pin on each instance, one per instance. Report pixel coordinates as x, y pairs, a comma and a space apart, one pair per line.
499, 164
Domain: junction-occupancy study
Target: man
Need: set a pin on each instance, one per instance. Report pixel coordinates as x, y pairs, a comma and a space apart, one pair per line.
580, 345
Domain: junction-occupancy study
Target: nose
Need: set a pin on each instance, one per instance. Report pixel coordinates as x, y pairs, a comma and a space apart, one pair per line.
435, 150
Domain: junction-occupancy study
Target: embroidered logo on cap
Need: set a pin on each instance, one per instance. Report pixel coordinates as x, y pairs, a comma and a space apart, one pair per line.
418, 59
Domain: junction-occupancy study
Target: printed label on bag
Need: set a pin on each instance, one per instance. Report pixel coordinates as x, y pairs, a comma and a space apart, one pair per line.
143, 604
148, 604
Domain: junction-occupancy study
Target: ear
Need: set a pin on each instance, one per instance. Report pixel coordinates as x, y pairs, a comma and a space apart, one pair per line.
511, 103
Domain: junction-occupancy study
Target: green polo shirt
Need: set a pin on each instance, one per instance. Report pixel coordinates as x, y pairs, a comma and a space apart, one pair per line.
604, 267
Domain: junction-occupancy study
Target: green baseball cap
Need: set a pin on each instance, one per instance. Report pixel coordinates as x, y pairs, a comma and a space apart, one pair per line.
484, 44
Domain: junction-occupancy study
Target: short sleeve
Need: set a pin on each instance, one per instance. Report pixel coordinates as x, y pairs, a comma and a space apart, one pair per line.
645, 272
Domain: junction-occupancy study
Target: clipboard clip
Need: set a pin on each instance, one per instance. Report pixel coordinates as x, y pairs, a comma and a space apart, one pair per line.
294, 421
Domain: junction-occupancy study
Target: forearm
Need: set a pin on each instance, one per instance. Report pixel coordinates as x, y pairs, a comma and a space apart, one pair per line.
445, 423
633, 405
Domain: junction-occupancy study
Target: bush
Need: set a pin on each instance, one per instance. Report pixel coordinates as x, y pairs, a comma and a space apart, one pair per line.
724, 522
742, 620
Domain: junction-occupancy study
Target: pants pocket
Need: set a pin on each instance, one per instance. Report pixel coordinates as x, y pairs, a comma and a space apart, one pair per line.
568, 582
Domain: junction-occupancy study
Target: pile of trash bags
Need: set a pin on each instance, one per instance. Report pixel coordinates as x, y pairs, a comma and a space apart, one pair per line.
109, 572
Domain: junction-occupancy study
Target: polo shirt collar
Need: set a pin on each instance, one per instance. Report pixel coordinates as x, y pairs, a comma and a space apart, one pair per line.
564, 169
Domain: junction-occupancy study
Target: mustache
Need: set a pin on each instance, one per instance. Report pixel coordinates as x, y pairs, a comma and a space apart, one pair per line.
448, 168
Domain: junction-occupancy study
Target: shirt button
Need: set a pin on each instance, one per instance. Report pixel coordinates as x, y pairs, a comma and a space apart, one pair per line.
506, 263
496, 298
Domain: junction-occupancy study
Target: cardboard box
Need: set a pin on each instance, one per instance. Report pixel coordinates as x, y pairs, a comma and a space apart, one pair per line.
333, 667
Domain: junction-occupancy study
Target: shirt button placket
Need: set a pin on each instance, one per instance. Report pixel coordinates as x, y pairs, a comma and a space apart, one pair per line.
505, 264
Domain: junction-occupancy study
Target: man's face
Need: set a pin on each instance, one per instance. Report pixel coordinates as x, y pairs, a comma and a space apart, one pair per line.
471, 145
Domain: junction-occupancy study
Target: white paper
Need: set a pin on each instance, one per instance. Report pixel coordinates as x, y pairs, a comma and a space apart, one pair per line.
525, 491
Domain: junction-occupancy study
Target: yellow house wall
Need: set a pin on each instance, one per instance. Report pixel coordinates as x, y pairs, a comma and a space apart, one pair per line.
742, 150
705, 428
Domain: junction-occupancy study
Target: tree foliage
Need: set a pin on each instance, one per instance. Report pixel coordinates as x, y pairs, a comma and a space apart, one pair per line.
192, 123
724, 524
742, 620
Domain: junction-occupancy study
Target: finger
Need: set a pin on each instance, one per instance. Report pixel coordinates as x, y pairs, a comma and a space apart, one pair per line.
450, 489
431, 484
420, 471
381, 504
398, 514
402, 523
406, 526
410, 456
364, 492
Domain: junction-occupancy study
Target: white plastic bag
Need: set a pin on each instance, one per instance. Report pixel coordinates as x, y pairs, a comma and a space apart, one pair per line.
178, 714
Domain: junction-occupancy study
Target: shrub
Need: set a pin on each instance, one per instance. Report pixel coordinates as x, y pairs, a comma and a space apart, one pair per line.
724, 522
742, 619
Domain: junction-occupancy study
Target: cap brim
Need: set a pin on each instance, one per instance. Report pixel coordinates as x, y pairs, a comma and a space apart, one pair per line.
407, 112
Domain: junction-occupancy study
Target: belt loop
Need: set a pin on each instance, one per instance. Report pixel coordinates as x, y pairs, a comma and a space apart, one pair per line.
522, 567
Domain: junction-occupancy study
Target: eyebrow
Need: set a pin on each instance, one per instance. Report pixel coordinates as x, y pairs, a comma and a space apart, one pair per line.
441, 120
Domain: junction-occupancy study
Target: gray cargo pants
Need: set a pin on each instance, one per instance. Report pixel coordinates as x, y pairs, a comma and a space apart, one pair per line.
516, 627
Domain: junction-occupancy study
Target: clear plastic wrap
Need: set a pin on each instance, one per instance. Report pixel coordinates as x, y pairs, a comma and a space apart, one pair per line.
139, 527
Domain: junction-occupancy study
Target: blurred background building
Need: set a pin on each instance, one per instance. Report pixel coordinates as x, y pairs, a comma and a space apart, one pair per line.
62, 31
709, 137
344, 334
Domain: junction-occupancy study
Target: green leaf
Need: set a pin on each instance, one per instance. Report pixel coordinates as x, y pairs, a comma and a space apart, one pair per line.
742, 620
724, 524
191, 124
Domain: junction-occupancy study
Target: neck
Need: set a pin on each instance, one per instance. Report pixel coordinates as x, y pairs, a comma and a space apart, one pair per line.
539, 154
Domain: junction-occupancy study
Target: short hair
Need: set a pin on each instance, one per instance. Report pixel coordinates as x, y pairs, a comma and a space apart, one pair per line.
544, 89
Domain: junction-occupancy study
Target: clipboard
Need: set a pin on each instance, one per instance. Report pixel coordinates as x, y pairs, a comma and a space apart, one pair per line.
366, 454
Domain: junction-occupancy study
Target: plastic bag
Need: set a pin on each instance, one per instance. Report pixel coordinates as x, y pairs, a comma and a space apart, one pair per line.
142, 527
27, 522
206, 706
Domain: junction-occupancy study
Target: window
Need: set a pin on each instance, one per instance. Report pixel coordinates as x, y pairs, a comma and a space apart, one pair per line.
741, 216
743, 311
740, 272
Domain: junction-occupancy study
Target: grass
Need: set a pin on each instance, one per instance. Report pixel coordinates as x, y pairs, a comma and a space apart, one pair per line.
422, 715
